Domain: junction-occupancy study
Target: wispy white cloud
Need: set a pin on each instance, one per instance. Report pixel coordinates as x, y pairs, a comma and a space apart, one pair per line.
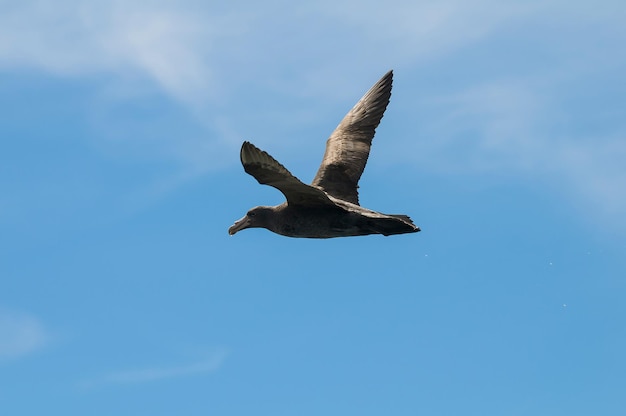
198, 53
20, 334
144, 375
168, 45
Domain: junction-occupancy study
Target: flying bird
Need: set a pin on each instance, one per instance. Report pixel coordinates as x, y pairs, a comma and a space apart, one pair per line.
329, 207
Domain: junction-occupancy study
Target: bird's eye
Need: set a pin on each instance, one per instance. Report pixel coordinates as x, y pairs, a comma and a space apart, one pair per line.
251, 214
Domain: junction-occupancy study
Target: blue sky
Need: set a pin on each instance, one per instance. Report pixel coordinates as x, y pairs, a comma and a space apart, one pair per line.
121, 292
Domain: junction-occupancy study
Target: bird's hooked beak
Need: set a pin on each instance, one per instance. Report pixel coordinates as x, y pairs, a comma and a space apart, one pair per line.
239, 225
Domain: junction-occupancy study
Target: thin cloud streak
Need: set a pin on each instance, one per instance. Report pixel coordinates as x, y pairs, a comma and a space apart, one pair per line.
146, 375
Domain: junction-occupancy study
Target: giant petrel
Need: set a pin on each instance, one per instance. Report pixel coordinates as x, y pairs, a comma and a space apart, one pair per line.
329, 207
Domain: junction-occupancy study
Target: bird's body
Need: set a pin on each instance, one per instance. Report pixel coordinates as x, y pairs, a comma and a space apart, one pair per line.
343, 220
329, 207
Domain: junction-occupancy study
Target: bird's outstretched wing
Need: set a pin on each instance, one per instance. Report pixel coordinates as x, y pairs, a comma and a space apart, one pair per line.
268, 171
348, 147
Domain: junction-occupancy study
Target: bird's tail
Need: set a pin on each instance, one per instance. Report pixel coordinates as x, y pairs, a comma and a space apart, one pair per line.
391, 226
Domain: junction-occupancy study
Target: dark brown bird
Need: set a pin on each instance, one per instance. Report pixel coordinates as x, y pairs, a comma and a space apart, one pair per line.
329, 207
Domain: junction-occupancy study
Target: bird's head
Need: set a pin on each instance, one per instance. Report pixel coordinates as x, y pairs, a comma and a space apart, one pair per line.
257, 217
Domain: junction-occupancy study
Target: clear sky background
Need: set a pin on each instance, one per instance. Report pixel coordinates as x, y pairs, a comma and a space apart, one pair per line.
121, 292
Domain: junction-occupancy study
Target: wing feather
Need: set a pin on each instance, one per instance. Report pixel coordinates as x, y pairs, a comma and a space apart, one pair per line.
268, 171
348, 147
